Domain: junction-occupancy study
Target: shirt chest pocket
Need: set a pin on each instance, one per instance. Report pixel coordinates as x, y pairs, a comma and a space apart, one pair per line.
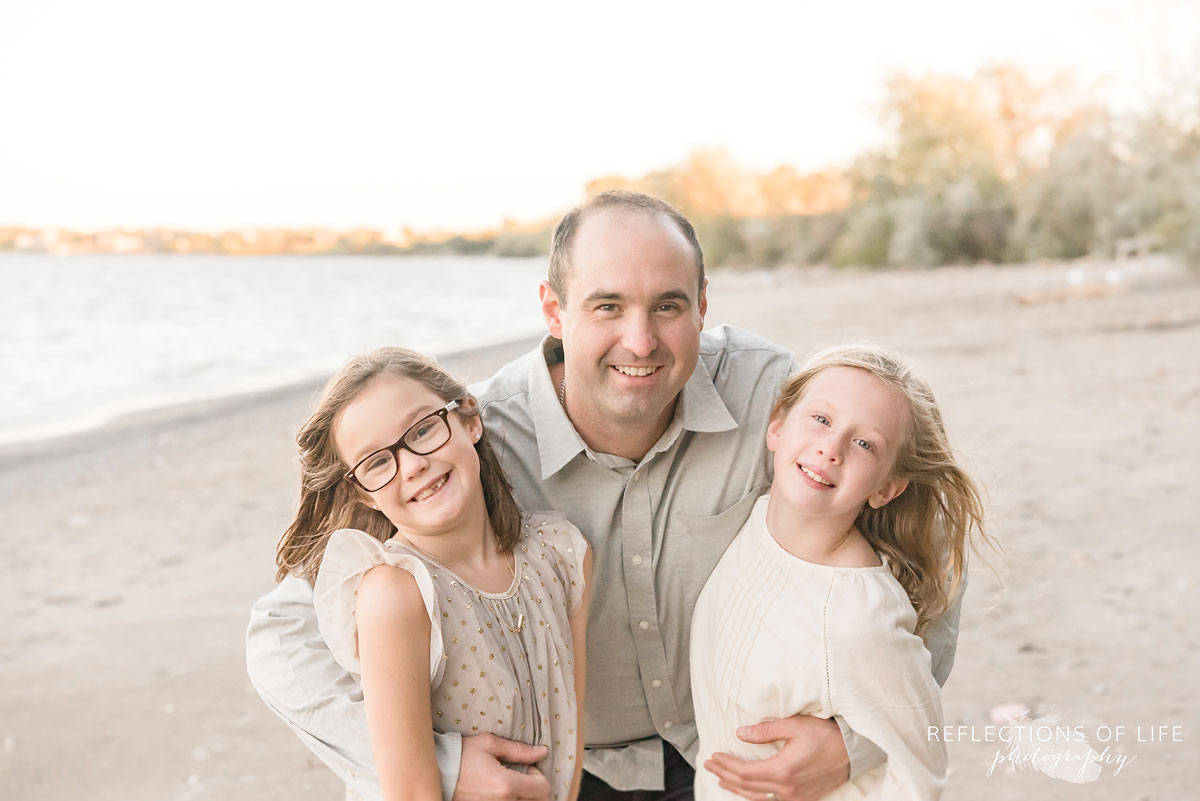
697, 541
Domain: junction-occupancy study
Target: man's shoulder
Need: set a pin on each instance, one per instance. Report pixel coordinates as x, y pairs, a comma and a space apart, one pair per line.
735, 355
509, 382
723, 341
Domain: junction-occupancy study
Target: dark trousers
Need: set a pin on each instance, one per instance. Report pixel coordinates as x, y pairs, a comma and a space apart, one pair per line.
678, 778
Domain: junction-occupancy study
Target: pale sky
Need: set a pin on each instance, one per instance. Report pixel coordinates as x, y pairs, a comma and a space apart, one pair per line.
235, 113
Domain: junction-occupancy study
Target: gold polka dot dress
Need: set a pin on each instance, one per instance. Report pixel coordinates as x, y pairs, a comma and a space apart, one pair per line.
498, 662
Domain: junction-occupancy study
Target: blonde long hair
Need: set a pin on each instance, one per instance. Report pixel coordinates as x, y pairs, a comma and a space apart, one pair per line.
925, 530
328, 502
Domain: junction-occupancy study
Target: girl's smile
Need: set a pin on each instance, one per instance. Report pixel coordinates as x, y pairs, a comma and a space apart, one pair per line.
431, 489
431, 493
816, 477
834, 449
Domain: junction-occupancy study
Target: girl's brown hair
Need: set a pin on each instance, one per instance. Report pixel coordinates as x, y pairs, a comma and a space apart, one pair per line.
925, 530
329, 502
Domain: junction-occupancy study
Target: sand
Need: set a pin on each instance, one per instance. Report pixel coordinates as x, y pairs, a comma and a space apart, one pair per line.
133, 553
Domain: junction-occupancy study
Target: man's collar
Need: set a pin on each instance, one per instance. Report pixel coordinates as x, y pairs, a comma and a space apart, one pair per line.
558, 441
700, 409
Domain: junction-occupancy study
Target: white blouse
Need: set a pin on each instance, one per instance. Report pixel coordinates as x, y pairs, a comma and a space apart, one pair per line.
774, 635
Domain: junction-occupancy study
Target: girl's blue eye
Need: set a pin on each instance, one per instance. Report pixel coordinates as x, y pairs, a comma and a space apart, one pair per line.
822, 419
862, 443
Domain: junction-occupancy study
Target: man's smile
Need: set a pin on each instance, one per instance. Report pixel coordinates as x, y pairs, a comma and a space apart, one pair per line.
636, 372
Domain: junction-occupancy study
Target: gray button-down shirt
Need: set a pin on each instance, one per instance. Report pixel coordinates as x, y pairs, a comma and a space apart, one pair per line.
657, 528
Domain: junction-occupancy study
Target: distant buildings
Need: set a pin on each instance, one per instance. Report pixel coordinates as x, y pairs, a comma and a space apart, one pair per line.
62, 242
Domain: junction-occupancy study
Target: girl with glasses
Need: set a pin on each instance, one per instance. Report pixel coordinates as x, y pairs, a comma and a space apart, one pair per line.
457, 612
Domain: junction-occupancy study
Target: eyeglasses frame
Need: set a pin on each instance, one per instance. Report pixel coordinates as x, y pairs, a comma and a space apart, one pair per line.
395, 447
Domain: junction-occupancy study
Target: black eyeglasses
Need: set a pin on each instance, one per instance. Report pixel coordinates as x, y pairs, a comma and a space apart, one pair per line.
422, 438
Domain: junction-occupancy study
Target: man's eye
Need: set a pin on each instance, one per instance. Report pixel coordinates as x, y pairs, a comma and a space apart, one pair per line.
862, 443
607, 307
668, 308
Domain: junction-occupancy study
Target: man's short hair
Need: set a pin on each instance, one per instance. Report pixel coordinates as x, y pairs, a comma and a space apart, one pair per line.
568, 226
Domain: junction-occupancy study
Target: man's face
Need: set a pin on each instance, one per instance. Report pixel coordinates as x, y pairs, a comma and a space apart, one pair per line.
631, 321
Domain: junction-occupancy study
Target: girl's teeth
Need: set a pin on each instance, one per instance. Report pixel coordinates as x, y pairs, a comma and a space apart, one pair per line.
429, 492
814, 476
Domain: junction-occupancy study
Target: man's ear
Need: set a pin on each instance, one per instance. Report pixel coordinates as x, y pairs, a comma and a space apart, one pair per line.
888, 492
551, 309
773, 433
703, 302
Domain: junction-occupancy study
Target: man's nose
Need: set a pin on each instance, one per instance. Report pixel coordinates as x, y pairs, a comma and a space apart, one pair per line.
638, 336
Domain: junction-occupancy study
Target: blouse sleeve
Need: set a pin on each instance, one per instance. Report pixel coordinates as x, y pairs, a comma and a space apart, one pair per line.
349, 555
878, 680
568, 545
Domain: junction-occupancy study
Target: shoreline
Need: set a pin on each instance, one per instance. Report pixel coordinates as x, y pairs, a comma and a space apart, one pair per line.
170, 333
151, 421
134, 553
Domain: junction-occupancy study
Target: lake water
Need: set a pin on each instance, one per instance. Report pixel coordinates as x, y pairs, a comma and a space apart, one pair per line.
86, 338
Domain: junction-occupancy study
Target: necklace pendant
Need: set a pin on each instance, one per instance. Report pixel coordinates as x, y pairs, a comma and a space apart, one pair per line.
520, 624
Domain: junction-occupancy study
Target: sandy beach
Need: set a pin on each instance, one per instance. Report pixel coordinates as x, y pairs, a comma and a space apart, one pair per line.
133, 553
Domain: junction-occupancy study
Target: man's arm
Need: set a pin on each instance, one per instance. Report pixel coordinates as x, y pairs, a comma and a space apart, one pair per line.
297, 677
941, 636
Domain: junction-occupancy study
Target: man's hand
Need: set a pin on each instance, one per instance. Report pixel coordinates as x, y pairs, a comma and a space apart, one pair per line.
812, 764
482, 777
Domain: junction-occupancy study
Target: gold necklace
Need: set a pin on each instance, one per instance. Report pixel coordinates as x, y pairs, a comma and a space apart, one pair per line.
517, 629
519, 618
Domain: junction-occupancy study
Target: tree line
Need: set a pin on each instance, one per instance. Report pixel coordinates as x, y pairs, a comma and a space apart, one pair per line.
990, 168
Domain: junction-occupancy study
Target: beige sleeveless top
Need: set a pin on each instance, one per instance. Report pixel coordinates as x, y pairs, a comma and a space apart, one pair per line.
498, 662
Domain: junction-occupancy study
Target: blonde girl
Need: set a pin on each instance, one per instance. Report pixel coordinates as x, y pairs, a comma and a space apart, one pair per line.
819, 604
457, 612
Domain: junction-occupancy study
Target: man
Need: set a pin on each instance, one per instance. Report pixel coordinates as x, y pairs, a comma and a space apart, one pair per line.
649, 436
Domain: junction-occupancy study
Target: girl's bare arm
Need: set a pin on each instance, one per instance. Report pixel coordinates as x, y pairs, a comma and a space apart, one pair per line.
393, 648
